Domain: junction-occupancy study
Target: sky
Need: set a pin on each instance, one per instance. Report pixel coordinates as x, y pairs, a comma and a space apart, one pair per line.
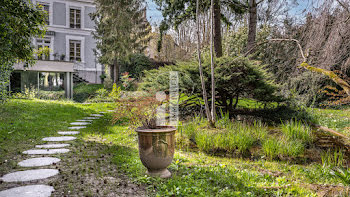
155, 16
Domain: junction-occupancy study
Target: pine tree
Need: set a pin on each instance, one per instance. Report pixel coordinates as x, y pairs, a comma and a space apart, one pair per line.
121, 29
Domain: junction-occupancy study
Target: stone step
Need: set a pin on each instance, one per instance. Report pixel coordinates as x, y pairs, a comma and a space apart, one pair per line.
46, 151
77, 127
68, 132
28, 191
40, 161
29, 175
59, 139
52, 146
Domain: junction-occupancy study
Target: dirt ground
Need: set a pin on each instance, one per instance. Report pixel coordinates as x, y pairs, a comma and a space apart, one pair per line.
87, 170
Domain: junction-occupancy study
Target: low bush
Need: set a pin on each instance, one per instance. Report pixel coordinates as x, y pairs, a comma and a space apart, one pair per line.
83, 91
136, 64
236, 77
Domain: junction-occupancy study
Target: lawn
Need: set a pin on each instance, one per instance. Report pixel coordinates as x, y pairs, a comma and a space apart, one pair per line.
337, 119
104, 161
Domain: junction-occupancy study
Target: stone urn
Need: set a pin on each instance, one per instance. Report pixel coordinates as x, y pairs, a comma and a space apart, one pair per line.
156, 149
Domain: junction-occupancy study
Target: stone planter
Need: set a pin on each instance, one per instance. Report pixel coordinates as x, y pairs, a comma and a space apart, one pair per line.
156, 149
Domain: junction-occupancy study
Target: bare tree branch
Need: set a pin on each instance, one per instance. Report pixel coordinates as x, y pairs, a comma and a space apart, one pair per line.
342, 4
332, 75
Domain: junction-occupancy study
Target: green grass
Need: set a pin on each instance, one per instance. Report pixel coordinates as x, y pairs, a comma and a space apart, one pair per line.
24, 122
83, 92
338, 120
296, 130
196, 174
332, 158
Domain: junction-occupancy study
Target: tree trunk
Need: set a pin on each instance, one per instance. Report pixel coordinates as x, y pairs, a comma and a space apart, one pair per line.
217, 28
253, 17
115, 71
236, 103
205, 97
213, 112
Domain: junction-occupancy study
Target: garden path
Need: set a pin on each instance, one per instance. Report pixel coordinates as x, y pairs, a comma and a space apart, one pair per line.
35, 174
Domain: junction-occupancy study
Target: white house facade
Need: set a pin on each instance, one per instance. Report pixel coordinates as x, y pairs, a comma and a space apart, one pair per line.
69, 36
71, 46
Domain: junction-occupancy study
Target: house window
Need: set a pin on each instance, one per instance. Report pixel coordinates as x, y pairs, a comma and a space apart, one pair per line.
43, 44
74, 50
46, 8
75, 18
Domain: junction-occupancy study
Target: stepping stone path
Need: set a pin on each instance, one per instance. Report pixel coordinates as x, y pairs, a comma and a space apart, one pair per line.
91, 118
40, 161
28, 191
29, 175
84, 120
68, 132
59, 139
80, 123
46, 151
96, 115
77, 128
52, 146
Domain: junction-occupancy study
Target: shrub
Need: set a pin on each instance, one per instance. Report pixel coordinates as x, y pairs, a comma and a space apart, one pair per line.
136, 64
115, 93
101, 93
128, 83
235, 77
51, 95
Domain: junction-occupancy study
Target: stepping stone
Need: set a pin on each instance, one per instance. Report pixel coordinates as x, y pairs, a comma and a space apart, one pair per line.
28, 191
46, 151
68, 132
80, 123
77, 127
40, 161
91, 118
96, 115
29, 175
84, 120
59, 139
51, 146
110, 110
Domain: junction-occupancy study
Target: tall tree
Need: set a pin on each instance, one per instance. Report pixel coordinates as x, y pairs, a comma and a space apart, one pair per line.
212, 66
176, 12
121, 29
253, 18
204, 90
20, 21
